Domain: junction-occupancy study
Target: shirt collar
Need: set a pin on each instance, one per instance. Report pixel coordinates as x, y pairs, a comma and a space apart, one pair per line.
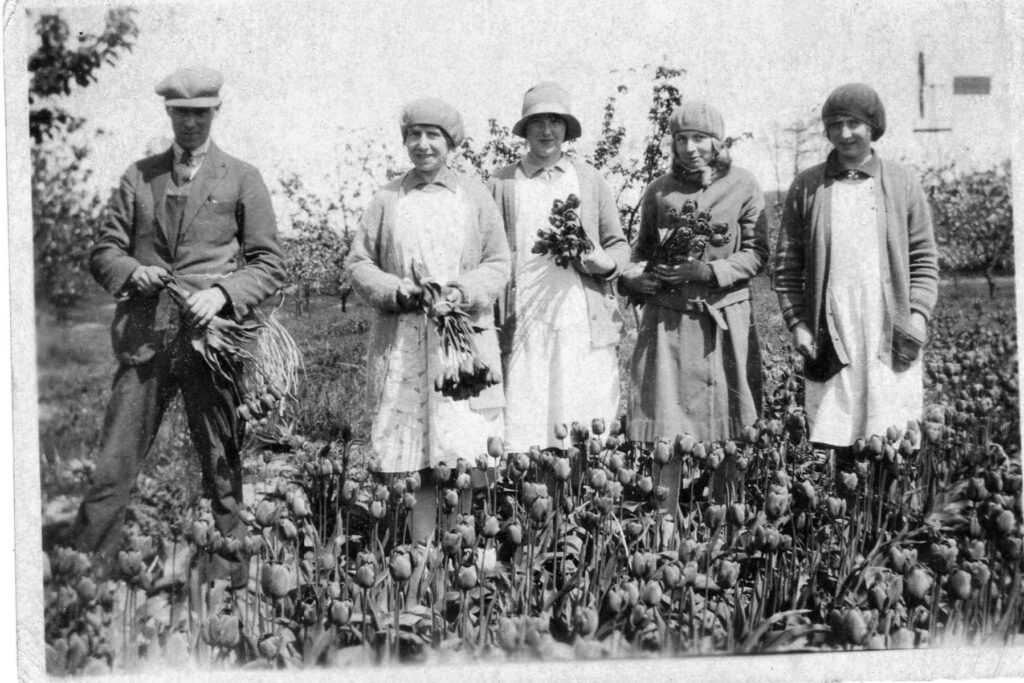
197, 154
447, 178
531, 169
834, 169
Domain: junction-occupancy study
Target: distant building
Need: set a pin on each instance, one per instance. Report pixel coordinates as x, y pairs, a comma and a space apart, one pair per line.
963, 101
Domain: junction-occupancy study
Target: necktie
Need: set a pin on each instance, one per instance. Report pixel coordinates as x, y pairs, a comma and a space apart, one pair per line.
183, 168
855, 174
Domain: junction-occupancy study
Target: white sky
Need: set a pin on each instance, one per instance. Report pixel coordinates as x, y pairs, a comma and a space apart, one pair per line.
303, 77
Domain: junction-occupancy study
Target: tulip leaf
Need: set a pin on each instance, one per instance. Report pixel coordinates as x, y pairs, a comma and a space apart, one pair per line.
320, 642
175, 560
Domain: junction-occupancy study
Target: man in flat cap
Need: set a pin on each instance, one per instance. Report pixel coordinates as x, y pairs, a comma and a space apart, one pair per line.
204, 218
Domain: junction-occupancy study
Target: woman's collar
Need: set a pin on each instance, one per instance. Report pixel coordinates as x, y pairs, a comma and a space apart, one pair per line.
834, 168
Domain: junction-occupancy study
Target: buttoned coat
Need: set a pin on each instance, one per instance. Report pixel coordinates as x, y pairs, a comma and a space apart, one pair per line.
227, 237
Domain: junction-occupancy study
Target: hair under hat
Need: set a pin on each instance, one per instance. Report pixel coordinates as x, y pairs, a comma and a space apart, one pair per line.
431, 111
548, 98
697, 116
858, 101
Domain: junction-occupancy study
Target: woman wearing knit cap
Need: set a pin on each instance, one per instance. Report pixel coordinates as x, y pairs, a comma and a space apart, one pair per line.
560, 326
856, 273
431, 223
696, 366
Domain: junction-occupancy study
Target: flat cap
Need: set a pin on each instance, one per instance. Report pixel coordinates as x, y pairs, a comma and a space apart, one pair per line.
193, 86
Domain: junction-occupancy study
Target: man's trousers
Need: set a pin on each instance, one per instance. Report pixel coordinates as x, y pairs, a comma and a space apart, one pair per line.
141, 394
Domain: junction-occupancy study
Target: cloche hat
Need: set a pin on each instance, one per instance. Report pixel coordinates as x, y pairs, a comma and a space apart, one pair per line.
858, 101
548, 98
431, 111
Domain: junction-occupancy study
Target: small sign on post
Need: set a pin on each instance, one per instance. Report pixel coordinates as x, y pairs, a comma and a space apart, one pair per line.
972, 85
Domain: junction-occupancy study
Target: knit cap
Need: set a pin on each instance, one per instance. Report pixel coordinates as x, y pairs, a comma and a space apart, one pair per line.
858, 101
431, 111
697, 116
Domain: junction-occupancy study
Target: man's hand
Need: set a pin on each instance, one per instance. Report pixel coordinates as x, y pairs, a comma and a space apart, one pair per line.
637, 280
691, 271
147, 280
408, 296
803, 341
201, 306
596, 262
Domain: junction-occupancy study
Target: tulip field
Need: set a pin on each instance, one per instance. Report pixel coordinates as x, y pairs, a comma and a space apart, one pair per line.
912, 540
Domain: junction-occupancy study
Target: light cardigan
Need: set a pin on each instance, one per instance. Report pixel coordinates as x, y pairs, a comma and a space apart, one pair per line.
373, 263
600, 219
909, 263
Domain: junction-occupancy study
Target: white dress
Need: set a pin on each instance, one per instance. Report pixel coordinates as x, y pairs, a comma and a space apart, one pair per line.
415, 426
867, 396
554, 374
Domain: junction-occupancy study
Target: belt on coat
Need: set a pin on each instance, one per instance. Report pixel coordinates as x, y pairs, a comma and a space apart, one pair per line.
704, 301
701, 305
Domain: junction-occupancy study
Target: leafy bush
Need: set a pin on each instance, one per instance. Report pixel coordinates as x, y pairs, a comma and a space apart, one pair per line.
973, 216
65, 213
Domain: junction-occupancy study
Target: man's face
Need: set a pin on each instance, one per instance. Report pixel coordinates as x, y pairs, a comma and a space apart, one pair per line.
545, 134
191, 125
851, 138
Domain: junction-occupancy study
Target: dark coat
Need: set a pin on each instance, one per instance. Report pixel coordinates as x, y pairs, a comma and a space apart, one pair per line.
227, 238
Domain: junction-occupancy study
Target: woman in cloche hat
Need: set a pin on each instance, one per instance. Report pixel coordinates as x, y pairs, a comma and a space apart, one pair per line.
696, 366
438, 225
856, 273
559, 326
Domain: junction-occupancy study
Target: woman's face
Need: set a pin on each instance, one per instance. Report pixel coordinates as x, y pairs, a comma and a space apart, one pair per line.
427, 147
545, 134
850, 137
693, 149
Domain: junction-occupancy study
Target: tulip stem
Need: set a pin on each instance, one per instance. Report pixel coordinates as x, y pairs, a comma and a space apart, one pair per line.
398, 610
482, 627
366, 612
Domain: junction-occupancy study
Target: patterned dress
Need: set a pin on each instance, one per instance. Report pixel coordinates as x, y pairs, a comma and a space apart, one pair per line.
415, 427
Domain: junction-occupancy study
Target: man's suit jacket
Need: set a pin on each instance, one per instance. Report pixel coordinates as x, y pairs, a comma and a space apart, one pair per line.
227, 237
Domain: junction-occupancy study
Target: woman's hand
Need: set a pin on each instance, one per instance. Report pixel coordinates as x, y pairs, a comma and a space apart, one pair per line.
691, 271
407, 296
596, 262
637, 280
803, 341
918, 322
452, 295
